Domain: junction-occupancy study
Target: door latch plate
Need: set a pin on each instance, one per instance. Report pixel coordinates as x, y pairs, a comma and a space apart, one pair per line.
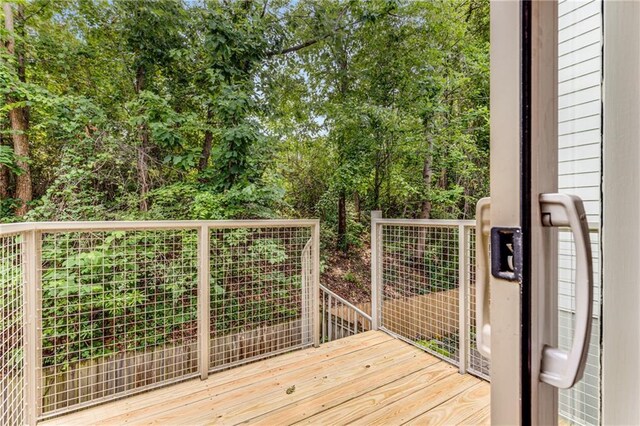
506, 253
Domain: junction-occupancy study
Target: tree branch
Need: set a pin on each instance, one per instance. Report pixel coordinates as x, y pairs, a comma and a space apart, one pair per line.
312, 41
296, 47
25, 19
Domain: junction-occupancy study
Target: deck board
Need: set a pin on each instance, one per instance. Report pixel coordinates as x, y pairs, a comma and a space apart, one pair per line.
370, 378
338, 397
456, 410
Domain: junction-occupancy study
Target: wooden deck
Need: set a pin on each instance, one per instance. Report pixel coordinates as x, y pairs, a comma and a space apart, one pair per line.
370, 378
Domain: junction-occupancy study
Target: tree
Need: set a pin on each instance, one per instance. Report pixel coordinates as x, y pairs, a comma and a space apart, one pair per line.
396, 95
151, 30
18, 111
216, 109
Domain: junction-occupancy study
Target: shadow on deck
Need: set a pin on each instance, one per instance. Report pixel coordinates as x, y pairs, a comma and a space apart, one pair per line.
370, 378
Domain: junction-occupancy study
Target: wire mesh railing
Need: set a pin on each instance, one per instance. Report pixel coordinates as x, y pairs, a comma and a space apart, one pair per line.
116, 308
580, 404
12, 333
419, 273
103, 310
258, 301
477, 364
339, 318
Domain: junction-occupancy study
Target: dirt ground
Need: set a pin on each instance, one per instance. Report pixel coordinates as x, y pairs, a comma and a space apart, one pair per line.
349, 275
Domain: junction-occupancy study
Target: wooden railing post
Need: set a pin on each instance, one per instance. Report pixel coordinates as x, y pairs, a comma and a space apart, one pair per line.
32, 324
376, 297
463, 302
204, 288
316, 284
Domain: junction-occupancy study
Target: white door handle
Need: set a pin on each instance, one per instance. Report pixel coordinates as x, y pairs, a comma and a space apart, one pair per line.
562, 368
483, 319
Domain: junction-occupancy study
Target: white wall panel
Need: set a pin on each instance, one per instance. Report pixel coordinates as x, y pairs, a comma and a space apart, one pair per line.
581, 41
579, 83
579, 96
582, 138
579, 151
581, 124
576, 11
578, 28
580, 55
579, 167
583, 67
585, 109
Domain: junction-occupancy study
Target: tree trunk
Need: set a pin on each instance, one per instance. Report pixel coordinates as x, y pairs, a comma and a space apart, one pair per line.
388, 179
19, 127
140, 79
427, 172
342, 222
4, 173
4, 183
342, 198
143, 169
19, 121
143, 152
207, 144
425, 211
377, 182
10, 43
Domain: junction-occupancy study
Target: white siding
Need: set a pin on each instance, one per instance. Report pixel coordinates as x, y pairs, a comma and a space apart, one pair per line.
579, 115
579, 167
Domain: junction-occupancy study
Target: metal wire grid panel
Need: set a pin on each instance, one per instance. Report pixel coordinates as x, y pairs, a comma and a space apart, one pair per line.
420, 286
12, 340
261, 300
580, 404
118, 313
477, 364
339, 317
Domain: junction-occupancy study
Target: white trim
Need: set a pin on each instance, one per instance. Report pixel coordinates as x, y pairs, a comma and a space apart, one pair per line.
621, 204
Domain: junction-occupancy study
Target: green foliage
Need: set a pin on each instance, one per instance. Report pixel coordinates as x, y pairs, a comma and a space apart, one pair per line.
113, 291
444, 345
168, 129
239, 297
7, 207
151, 30
352, 278
248, 202
300, 101
396, 90
118, 291
435, 346
8, 159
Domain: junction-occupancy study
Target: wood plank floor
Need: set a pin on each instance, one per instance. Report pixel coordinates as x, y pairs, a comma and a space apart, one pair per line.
370, 378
